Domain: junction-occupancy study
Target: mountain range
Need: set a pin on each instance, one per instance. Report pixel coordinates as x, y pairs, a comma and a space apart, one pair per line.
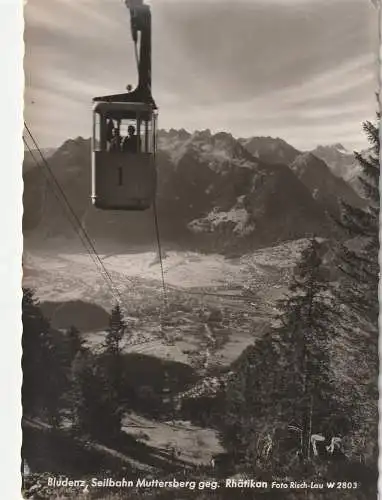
215, 193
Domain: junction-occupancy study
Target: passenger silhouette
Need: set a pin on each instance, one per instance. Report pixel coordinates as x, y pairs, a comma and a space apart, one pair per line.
109, 130
131, 143
115, 143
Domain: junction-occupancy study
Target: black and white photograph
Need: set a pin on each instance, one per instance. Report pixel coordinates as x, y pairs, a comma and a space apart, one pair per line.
200, 250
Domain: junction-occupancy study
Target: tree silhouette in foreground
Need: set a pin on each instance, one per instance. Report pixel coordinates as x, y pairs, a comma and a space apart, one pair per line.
358, 262
98, 384
96, 409
112, 354
43, 362
284, 384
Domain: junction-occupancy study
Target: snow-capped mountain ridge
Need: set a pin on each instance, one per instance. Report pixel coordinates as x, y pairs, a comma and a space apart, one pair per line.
217, 150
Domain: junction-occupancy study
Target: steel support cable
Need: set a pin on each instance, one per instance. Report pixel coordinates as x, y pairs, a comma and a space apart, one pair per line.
160, 254
77, 223
156, 222
83, 241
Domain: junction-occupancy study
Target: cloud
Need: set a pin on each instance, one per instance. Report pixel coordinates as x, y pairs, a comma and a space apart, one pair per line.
295, 68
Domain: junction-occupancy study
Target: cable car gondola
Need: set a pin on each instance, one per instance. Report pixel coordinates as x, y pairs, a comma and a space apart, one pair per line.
124, 133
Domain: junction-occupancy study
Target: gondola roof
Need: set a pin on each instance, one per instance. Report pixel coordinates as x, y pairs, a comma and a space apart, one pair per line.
137, 96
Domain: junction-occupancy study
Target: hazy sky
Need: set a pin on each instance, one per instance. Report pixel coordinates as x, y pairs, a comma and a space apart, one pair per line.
303, 70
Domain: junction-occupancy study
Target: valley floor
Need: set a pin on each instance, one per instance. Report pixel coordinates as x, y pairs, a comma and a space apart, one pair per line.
243, 289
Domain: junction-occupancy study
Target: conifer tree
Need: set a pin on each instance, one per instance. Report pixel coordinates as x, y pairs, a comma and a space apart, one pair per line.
95, 409
254, 400
75, 343
309, 315
359, 261
35, 326
43, 363
285, 379
113, 360
115, 332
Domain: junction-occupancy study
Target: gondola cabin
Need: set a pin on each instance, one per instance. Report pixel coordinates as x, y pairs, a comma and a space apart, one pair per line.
123, 155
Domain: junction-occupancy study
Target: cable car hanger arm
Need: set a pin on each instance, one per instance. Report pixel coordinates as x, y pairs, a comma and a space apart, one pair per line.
140, 16
140, 20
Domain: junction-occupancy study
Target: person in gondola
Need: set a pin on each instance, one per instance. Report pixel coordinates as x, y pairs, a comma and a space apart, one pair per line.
109, 130
131, 142
115, 143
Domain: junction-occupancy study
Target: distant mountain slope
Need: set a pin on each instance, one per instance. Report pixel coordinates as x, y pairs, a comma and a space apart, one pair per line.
30, 157
341, 162
329, 172
269, 149
325, 187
